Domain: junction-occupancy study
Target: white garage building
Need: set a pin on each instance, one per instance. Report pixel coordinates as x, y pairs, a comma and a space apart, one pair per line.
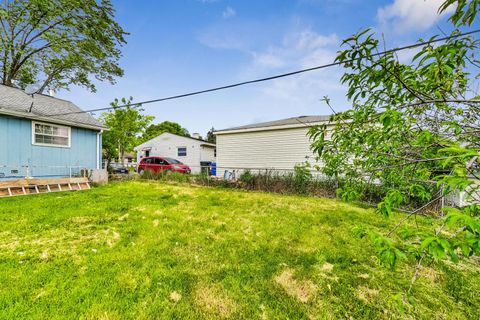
190, 151
275, 145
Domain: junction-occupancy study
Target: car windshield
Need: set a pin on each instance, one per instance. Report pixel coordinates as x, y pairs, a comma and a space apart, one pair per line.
173, 161
116, 165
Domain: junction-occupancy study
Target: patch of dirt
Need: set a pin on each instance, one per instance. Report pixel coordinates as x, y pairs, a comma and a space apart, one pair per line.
366, 294
214, 300
301, 290
155, 223
364, 276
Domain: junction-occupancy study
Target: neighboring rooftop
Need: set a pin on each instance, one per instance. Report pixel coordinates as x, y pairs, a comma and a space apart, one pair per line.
203, 142
45, 108
301, 120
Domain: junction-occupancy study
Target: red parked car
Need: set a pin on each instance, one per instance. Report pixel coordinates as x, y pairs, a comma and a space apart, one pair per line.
157, 164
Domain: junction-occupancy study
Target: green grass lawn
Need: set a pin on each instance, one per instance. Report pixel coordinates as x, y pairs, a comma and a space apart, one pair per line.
141, 250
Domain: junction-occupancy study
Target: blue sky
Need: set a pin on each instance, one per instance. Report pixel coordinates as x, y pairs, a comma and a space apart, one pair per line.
178, 46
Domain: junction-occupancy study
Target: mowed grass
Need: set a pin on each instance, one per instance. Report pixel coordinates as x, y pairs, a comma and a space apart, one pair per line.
142, 250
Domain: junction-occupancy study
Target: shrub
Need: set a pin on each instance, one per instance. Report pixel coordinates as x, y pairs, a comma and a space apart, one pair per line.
302, 178
247, 177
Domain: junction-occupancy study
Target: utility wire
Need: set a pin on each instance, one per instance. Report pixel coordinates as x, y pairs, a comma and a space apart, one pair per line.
411, 46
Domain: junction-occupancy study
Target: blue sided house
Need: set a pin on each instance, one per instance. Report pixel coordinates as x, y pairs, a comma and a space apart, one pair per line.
42, 136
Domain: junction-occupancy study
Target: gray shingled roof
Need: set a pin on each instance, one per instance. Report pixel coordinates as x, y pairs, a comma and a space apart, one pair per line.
16, 101
282, 122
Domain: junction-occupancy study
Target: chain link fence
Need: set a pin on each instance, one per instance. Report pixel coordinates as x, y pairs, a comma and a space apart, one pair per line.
9, 172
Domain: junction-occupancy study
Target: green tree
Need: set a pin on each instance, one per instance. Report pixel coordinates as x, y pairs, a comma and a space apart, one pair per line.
58, 43
413, 130
125, 126
155, 130
109, 147
210, 136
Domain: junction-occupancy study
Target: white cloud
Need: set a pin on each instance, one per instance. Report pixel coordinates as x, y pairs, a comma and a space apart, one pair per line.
268, 59
299, 50
408, 15
223, 39
229, 12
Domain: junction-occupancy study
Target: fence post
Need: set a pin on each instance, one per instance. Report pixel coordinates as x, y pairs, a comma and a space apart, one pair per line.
442, 201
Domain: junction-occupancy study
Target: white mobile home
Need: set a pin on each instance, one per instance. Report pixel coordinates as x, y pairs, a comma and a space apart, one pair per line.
275, 145
190, 151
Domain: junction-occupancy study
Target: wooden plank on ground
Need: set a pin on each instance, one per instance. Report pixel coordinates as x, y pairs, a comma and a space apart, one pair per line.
36, 186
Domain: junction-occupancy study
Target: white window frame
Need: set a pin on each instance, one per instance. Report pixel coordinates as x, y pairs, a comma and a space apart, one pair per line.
186, 151
48, 144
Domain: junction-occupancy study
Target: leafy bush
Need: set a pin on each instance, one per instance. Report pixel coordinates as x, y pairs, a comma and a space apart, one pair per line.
302, 178
247, 177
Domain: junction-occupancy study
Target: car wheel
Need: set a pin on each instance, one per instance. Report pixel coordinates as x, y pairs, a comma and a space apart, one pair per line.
141, 171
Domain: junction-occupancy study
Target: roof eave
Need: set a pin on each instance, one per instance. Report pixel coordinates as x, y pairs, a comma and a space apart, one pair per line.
270, 128
33, 116
209, 145
202, 142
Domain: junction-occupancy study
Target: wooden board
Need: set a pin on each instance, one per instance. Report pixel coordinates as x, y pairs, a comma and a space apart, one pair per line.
19, 187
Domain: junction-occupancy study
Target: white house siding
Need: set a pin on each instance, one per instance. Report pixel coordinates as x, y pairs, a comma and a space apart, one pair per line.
207, 153
279, 149
166, 145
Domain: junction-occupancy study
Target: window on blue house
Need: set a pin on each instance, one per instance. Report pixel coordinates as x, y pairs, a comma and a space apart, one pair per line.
182, 151
45, 134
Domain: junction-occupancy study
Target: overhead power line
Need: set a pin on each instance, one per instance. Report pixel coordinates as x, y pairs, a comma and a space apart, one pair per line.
283, 75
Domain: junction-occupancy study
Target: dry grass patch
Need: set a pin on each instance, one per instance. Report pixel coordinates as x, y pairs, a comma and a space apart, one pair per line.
124, 217
428, 273
301, 290
81, 220
8, 242
327, 267
140, 208
111, 237
175, 296
57, 242
44, 255
366, 294
214, 300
